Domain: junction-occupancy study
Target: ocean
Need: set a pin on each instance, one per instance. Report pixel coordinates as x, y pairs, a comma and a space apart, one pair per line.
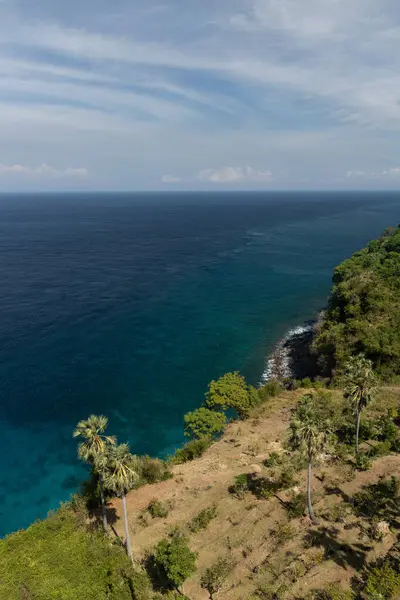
129, 304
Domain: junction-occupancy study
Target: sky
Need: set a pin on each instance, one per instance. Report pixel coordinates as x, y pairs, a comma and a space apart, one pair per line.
217, 94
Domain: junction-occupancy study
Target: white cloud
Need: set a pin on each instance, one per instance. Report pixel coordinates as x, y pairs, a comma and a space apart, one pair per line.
393, 172
234, 174
43, 169
170, 179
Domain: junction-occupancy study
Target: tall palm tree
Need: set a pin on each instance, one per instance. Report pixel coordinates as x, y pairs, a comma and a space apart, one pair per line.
93, 448
360, 382
310, 434
120, 474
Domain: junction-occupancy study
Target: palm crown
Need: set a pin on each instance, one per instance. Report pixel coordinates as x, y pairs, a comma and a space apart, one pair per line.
119, 468
95, 442
360, 381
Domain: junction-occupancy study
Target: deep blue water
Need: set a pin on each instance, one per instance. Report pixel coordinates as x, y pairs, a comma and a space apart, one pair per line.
128, 304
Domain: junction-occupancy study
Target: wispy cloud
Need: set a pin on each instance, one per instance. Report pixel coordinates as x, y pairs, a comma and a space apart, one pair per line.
308, 87
234, 175
42, 170
170, 179
392, 172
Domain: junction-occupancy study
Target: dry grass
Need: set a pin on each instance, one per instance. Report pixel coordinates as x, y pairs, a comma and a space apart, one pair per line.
255, 533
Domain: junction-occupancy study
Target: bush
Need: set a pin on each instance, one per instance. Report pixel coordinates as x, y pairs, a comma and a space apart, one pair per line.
59, 558
175, 559
215, 576
333, 591
152, 470
296, 507
204, 422
191, 450
230, 392
240, 486
271, 389
158, 509
202, 520
378, 500
273, 459
269, 591
283, 533
383, 582
363, 462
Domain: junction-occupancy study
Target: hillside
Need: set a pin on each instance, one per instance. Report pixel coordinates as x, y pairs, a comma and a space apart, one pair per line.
266, 546
364, 309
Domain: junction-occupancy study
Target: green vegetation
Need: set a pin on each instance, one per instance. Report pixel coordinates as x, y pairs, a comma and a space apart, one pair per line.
363, 315
310, 434
175, 559
191, 450
61, 559
214, 577
383, 583
202, 519
232, 392
204, 422
158, 509
360, 381
93, 449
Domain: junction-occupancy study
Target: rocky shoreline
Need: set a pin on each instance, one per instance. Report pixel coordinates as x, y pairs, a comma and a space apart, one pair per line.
292, 357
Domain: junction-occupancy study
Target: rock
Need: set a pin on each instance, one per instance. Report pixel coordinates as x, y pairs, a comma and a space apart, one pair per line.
255, 469
381, 530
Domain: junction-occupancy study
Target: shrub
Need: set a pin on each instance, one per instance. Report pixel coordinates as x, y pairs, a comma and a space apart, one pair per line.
363, 462
271, 389
230, 392
175, 559
383, 582
204, 422
283, 533
202, 519
214, 577
333, 591
158, 509
296, 507
191, 450
273, 459
153, 470
378, 500
240, 486
269, 591
286, 478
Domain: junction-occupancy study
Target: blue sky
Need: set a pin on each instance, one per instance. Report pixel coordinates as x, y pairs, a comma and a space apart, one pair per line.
222, 94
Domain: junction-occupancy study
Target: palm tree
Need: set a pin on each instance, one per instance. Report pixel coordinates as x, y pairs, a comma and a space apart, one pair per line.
93, 448
360, 382
120, 474
310, 434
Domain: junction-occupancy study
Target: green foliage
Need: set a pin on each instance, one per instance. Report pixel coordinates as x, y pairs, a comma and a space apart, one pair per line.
364, 309
202, 519
230, 392
59, 559
363, 462
296, 506
333, 591
269, 591
240, 486
214, 577
158, 509
273, 459
191, 450
204, 422
378, 500
152, 470
309, 432
271, 389
359, 381
175, 559
383, 583
170, 595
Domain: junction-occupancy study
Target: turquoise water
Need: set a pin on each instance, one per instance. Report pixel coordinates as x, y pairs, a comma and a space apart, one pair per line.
128, 304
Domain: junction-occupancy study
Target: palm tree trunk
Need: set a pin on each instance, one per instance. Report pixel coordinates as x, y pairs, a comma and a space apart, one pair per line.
310, 508
358, 431
103, 504
127, 536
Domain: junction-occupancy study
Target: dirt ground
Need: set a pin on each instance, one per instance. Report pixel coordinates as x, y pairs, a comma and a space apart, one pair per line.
256, 534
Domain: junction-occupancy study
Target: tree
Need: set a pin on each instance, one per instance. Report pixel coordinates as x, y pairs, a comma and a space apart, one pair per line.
360, 382
215, 576
230, 391
309, 434
204, 422
120, 472
175, 558
94, 446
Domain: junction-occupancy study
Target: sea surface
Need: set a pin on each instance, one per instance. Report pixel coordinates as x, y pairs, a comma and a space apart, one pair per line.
129, 304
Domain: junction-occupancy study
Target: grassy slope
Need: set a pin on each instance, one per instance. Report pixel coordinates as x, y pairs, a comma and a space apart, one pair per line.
248, 530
